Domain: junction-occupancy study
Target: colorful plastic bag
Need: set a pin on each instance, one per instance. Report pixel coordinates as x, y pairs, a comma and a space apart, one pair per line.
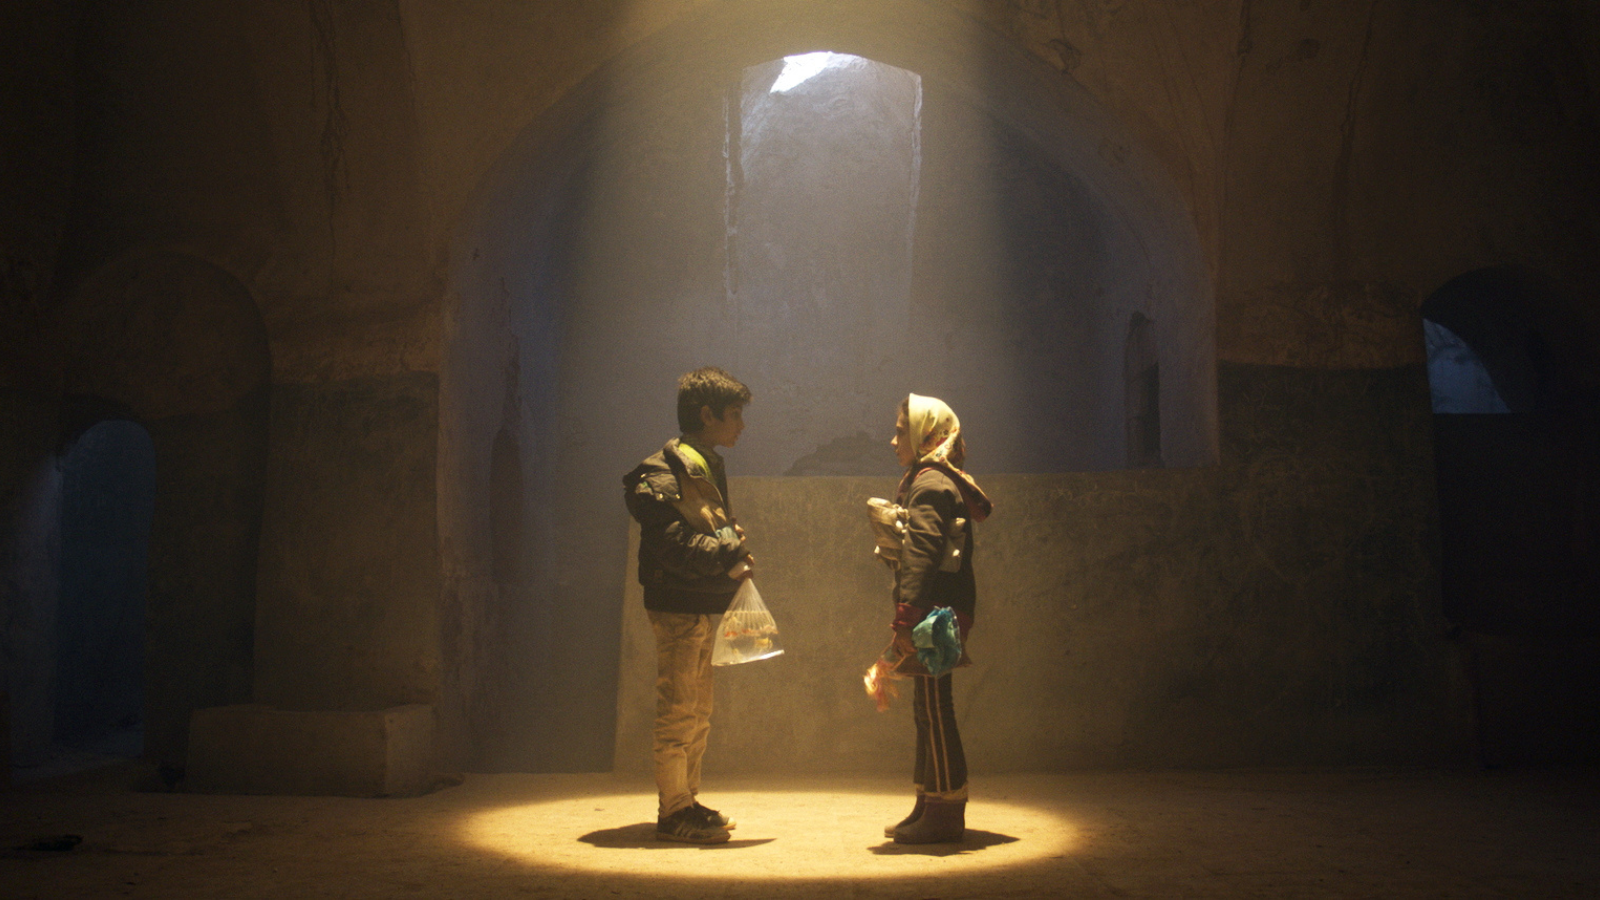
938, 641
747, 632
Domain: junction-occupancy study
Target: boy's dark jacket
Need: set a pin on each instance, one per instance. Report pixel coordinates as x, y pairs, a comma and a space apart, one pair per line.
686, 540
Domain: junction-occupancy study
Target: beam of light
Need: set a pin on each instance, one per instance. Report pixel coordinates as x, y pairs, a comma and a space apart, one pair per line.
800, 68
784, 835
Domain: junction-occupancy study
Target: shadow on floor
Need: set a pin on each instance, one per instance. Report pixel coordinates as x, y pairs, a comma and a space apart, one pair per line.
643, 837
974, 840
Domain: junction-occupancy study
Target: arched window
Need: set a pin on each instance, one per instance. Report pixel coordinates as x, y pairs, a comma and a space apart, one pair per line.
823, 169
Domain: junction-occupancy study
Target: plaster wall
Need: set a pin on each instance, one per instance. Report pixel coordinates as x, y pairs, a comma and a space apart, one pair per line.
1428, 140
350, 483
36, 93
31, 583
1333, 163
276, 141
1280, 606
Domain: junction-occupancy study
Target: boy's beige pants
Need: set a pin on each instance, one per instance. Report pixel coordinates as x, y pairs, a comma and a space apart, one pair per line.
683, 704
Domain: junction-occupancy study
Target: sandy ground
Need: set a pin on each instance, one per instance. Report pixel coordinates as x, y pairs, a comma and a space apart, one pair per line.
1276, 834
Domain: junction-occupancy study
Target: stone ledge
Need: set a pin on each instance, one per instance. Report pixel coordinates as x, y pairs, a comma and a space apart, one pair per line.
256, 749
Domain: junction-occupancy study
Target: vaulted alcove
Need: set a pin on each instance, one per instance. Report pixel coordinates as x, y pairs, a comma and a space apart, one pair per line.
175, 344
661, 217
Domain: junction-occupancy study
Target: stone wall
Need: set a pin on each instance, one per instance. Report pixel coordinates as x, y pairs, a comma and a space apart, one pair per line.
443, 220
1282, 606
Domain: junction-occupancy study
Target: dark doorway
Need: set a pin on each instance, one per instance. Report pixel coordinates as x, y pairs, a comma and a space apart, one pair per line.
107, 500
1516, 452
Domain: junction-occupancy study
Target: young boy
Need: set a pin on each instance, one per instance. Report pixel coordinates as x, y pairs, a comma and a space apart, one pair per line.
691, 558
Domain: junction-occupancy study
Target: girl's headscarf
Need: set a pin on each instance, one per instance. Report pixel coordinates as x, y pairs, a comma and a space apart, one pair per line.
935, 432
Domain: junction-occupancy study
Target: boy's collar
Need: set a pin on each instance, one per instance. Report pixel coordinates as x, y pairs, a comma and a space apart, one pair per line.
697, 454
698, 445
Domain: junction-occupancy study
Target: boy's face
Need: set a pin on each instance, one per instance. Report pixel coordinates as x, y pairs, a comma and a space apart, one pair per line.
723, 432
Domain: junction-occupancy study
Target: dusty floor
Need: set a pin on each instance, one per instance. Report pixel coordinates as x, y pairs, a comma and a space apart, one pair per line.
1278, 834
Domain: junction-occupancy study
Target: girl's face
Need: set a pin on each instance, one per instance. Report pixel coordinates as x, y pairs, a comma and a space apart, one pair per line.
901, 442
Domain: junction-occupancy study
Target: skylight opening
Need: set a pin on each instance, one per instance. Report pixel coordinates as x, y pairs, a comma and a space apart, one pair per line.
800, 68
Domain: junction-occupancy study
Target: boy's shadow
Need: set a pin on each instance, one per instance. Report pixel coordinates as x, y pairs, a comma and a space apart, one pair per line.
974, 840
643, 837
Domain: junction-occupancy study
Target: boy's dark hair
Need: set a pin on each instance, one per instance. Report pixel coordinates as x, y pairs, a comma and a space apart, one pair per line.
707, 386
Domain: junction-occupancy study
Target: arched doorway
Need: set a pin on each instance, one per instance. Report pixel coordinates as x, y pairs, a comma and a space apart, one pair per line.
179, 345
107, 500
606, 254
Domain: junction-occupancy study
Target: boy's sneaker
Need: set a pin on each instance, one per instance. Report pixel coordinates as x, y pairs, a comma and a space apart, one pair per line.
714, 817
690, 826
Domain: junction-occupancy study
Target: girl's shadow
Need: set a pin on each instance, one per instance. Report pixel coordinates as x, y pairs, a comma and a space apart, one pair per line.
974, 840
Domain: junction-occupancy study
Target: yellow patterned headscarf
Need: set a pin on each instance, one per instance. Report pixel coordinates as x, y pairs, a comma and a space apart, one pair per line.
935, 432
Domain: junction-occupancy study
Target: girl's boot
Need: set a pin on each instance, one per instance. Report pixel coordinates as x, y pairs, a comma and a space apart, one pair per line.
916, 813
942, 822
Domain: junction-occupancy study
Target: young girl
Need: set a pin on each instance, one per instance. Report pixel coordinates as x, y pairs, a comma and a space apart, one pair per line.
935, 570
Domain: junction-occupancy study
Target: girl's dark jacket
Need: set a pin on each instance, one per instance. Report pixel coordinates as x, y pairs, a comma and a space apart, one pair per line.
686, 540
925, 580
